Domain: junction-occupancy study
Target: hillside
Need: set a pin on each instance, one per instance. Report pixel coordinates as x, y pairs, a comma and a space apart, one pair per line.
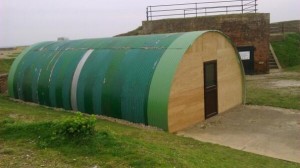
23, 143
288, 51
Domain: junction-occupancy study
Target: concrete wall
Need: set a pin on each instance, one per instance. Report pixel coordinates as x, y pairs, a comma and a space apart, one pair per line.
244, 29
3, 83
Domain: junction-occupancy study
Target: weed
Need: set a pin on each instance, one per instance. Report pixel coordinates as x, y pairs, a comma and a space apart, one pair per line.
75, 127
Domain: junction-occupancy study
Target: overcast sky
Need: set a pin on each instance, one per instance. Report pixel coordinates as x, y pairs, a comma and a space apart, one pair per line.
24, 22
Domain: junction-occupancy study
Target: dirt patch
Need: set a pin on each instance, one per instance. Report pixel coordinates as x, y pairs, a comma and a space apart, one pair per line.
263, 130
10, 53
278, 81
285, 83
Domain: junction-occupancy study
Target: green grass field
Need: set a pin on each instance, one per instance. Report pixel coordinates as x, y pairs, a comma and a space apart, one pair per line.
288, 50
259, 91
295, 68
5, 65
24, 128
283, 98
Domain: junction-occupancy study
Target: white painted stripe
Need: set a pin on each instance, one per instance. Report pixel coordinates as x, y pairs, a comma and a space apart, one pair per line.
76, 78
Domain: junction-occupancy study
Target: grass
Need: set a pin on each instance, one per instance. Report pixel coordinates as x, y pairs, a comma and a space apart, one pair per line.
5, 65
288, 50
25, 142
260, 92
293, 68
272, 97
277, 90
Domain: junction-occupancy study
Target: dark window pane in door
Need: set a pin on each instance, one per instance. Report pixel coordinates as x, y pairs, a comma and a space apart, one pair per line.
210, 75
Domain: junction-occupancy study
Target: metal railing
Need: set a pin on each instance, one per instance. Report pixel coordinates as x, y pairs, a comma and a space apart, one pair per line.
201, 9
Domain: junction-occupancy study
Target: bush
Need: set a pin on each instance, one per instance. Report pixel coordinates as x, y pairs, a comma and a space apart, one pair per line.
75, 127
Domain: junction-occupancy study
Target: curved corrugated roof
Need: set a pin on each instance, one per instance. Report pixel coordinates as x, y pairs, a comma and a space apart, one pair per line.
122, 77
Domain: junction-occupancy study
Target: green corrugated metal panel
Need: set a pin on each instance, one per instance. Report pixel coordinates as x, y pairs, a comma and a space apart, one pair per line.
162, 79
60, 79
15, 65
91, 80
125, 76
113, 81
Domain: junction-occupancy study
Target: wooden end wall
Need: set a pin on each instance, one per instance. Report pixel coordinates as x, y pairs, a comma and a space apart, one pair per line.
186, 100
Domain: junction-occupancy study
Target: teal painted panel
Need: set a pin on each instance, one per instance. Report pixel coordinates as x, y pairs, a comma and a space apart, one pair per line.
23, 76
116, 77
91, 80
137, 73
61, 78
12, 89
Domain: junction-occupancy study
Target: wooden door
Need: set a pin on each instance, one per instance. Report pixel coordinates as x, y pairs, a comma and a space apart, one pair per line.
210, 88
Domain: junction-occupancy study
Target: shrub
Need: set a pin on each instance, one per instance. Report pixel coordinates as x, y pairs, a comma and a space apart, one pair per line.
75, 127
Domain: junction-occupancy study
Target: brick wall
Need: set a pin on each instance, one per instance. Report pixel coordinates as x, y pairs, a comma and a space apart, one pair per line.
244, 29
3, 83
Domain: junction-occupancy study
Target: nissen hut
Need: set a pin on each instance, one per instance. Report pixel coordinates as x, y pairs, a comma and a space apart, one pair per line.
171, 81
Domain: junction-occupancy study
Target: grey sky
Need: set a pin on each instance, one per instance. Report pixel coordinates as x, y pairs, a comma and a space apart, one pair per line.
24, 22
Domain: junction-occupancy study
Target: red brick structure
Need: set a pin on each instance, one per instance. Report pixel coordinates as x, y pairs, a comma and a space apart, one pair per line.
3, 83
250, 29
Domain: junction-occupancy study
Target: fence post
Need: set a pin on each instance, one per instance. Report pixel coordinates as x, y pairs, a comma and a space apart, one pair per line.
226, 10
196, 9
242, 1
147, 14
255, 7
150, 13
183, 13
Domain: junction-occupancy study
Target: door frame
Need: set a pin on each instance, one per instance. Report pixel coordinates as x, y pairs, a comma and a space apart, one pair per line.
248, 64
216, 85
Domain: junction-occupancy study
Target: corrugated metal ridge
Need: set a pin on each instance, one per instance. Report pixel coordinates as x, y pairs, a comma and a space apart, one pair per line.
112, 48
